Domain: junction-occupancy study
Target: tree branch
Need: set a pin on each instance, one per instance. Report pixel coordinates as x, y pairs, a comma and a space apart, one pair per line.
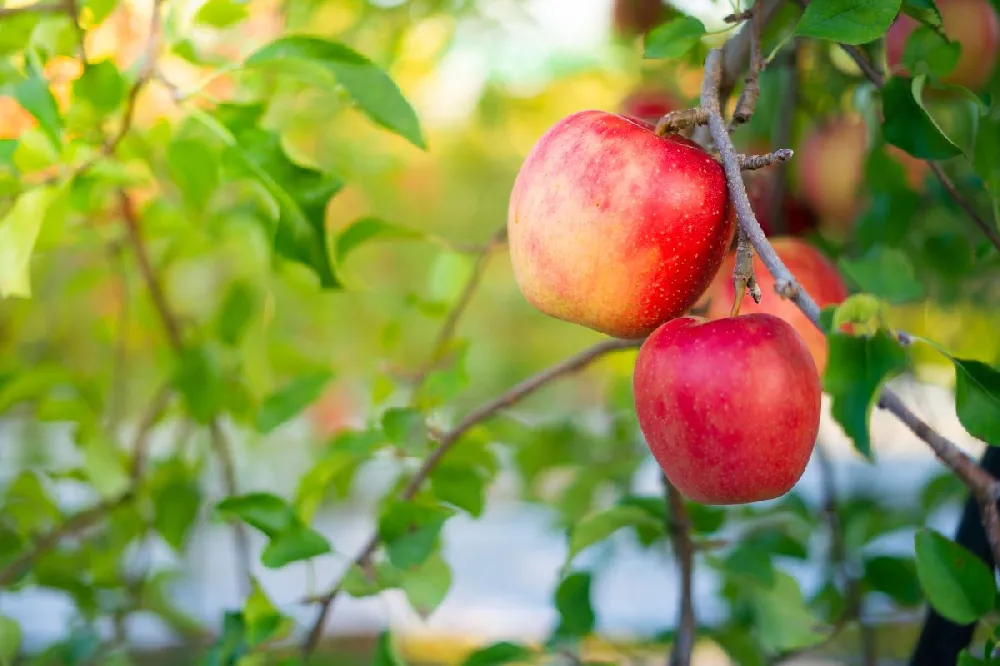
979, 482
448, 440
747, 102
679, 529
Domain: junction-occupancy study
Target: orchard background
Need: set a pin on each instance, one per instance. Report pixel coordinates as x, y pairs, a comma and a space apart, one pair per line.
262, 352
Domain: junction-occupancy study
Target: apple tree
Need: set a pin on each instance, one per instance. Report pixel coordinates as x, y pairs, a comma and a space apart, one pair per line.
218, 226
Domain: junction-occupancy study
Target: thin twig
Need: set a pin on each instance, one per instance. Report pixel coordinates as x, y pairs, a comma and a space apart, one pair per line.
680, 120
878, 80
447, 331
751, 84
449, 439
755, 162
983, 485
679, 529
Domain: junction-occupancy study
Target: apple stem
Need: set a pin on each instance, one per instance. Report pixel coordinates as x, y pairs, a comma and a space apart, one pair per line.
680, 120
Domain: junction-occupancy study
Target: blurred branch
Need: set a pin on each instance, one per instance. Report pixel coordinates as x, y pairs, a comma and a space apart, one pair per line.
679, 529
755, 162
983, 485
783, 137
448, 440
447, 331
878, 80
747, 102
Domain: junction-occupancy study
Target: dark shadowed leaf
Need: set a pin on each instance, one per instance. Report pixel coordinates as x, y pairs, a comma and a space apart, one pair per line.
498, 654
373, 90
750, 564
287, 402
927, 51
957, 583
572, 600
295, 543
674, 38
856, 371
986, 157
908, 126
977, 399
599, 526
884, 272
925, 11
896, 577
847, 21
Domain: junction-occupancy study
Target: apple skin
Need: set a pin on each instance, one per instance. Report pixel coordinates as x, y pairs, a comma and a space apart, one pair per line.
631, 18
972, 23
649, 104
817, 275
830, 166
614, 228
730, 409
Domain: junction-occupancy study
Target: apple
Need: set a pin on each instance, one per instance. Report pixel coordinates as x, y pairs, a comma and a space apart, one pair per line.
615, 228
636, 17
972, 23
729, 408
815, 273
799, 219
830, 165
649, 104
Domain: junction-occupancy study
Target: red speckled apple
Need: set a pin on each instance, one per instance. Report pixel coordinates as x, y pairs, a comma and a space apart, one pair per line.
972, 23
730, 409
817, 275
615, 228
830, 165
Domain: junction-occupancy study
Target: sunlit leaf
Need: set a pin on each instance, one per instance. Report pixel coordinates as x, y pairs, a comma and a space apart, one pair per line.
264, 622
34, 94
847, 21
19, 230
366, 230
674, 38
288, 401
406, 428
296, 542
427, 585
386, 653
927, 51
221, 13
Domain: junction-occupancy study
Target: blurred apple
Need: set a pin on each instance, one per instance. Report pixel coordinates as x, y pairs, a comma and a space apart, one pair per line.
631, 18
649, 103
335, 411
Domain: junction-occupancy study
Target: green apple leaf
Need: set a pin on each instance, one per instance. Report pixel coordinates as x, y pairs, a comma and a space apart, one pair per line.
238, 307
289, 401
373, 90
10, 640
461, 485
925, 11
264, 622
427, 585
295, 543
847, 21
101, 85
410, 530
977, 399
367, 229
193, 164
406, 428
856, 371
176, 501
908, 125
986, 157
222, 13
674, 38
264, 511
784, 621
599, 526
572, 600
499, 654
33, 93
884, 272
894, 576
386, 653
957, 583
927, 51
19, 230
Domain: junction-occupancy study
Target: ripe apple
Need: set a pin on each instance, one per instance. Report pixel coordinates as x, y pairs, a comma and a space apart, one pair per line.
830, 165
630, 18
972, 23
649, 104
817, 275
615, 228
730, 409
799, 219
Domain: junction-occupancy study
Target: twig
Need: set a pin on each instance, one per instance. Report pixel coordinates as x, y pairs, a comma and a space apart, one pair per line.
680, 120
751, 84
755, 162
447, 330
37, 8
679, 529
878, 80
984, 486
743, 275
448, 440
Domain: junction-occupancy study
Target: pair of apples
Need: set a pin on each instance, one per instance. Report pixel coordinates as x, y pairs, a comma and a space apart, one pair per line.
623, 231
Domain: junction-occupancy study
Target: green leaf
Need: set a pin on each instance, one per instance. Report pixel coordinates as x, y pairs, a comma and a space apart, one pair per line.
104, 464
410, 530
977, 399
198, 380
368, 229
10, 640
386, 653
19, 230
986, 157
895, 577
907, 124
237, 309
101, 86
863, 309
965, 658
427, 585
221, 13
289, 401
462, 486
28, 505
847, 21
884, 272
927, 51
857, 369
599, 526
194, 167
373, 90
264, 511
572, 600
924, 11
264, 622
406, 428
751, 564
295, 543
673, 39
34, 94
957, 583
784, 621
498, 654
176, 501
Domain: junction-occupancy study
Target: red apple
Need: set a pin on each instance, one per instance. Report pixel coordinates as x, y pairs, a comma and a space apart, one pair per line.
730, 409
636, 17
817, 275
615, 228
972, 23
649, 104
798, 218
830, 165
